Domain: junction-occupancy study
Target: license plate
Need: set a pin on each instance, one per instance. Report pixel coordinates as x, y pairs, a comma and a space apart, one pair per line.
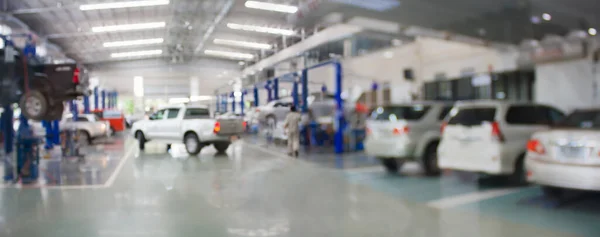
573, 152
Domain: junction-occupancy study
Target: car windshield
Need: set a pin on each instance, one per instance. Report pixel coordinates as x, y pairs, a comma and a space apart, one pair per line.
582, 119
393, 113
471, 116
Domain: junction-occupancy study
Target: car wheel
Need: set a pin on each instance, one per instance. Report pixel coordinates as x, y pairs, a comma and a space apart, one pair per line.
84, 138
430, 160
553, 192
34, 105
391, 165
221, 146
141, 140
192, 144
519, 176
112, 131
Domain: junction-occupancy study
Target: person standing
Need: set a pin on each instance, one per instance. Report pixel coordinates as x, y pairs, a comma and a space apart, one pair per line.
291, 125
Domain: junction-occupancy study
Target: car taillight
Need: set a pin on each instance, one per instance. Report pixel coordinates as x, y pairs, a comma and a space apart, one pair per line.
535, 146
244, 124
496, 131
400, 131
444, 124
76, 76
217, 128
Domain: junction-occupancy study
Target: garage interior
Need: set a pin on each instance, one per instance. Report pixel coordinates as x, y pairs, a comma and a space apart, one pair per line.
416, 118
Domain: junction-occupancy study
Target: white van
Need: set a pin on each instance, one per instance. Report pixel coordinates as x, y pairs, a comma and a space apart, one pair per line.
491, 136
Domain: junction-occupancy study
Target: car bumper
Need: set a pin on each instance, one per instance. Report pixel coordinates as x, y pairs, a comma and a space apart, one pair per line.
490, 162
390, 148
562, 175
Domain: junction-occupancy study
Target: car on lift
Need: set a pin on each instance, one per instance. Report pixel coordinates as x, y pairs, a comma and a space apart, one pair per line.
566, 156
274, 111
490, 137
40, 89
406, 132
192, 125
89, 125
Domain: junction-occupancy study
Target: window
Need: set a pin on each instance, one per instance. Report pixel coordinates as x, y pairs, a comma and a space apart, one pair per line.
158, 115
554, 116
582, 119
527, 115
82, 119
394, 113
472, 116
444, 112
196, 113
172, 113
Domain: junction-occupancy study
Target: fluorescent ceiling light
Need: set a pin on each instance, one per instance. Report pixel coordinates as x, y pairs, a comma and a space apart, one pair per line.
133, 42
244, 44
228, 54
375, 5
261, 29
112, 5
136, 53
271, 6
141, 26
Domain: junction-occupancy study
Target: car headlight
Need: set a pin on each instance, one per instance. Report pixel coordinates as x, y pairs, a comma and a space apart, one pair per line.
103, 126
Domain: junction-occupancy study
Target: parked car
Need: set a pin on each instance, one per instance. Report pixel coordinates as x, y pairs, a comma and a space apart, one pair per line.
491, 136
89, 125
568, 155
40, 89
406, 132
115, 119
273, 112
191, 125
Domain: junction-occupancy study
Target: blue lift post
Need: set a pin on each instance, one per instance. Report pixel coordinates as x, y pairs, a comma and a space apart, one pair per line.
256, 97
217, 99
116, 99
232, 96
224, 103
242, 105
6, 121
276, 89
269, 91
295, 93
96, 104
86, 104
103, 95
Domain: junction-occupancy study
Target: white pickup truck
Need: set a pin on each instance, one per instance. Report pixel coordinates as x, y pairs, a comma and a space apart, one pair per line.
192, 125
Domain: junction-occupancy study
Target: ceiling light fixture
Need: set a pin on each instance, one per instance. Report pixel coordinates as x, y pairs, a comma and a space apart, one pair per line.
113, 5
136, 53
546, 17
133, 42
261, 29
244, 44
271, 7
140, 26
228, 54
592, 31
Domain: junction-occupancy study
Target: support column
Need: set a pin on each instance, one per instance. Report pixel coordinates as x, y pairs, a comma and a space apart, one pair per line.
256, 97
242, 104
304, 81
295, 94
232, 96
276, 89
103, 94
86, 104
340, 122
96, 104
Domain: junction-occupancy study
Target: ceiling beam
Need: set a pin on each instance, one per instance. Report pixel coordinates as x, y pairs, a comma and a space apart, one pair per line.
42, 9
224, 11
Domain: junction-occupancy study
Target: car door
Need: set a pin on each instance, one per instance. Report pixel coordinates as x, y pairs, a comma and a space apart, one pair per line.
170, 126
153, 129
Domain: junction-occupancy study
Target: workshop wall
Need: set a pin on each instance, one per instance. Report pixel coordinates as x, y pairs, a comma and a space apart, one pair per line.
565, 84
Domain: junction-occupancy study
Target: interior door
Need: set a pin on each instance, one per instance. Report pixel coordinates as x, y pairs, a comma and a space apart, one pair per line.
153, 128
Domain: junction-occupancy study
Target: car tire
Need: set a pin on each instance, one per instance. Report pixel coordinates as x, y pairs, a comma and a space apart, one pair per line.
391, 165
84, 138
430, 160
192, 144
34, 105
221, 147
519, 175
553, 192
141, 140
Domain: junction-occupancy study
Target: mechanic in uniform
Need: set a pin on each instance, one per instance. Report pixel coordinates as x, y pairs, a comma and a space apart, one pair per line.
291, 125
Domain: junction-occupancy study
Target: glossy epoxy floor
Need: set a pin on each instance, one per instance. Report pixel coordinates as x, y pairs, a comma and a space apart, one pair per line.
250, 191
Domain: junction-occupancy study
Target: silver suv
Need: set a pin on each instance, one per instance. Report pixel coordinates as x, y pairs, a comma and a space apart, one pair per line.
397, 133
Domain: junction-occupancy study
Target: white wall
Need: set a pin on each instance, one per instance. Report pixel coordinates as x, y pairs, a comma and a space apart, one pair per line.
567, 84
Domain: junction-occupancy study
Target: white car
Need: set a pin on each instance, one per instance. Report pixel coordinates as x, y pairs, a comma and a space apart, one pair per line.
192, 125
397, 133
275, 111
491, 136
90, 125
567, 156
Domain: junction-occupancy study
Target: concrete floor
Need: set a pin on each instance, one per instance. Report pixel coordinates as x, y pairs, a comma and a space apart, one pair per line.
254, 190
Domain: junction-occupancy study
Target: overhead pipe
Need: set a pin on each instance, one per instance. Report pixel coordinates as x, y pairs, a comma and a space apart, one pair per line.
224, 11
